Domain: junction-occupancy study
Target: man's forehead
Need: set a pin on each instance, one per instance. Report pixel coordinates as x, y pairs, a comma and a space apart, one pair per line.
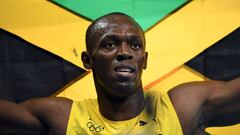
104, 25
114, 24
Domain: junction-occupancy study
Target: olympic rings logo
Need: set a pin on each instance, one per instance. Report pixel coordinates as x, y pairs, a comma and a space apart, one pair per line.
94, 128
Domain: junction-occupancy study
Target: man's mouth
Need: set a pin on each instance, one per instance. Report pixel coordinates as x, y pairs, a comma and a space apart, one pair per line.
125, 70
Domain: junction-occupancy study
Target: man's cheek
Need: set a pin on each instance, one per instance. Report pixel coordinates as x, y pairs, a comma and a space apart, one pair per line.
141, 61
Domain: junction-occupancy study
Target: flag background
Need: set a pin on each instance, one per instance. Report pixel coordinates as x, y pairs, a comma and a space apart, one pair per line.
174, 36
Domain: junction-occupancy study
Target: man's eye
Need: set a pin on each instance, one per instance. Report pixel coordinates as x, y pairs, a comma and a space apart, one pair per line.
135, 45
110, 45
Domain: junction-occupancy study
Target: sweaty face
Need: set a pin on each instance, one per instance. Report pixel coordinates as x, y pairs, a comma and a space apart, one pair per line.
118, 56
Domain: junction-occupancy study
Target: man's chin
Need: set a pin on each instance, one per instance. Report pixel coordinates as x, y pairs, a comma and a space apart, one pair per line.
123, 89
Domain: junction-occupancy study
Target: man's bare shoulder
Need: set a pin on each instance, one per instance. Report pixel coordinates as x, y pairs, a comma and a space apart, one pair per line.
195, 94
52, 111
198, 89
190, 102
52, 102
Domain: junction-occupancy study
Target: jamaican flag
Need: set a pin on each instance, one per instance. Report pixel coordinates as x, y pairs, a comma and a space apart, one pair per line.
41, 44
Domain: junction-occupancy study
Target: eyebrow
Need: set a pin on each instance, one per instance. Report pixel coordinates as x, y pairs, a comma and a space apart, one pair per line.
115, 36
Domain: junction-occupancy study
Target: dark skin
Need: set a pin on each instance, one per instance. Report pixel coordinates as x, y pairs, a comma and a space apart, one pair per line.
117, 49
116, 54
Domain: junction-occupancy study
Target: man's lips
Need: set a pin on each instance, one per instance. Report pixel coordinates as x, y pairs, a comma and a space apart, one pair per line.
125, 70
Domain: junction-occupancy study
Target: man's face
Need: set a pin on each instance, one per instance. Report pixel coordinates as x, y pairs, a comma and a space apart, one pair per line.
118, 56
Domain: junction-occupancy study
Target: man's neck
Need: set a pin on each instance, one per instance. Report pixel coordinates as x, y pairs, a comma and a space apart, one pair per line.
124, 108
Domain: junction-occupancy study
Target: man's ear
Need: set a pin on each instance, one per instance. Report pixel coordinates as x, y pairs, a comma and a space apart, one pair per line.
145, 62
86, 60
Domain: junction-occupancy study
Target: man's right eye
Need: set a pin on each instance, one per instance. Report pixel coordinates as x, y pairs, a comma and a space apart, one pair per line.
110, 45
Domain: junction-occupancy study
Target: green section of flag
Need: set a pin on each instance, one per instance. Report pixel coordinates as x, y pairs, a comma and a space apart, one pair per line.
146, 12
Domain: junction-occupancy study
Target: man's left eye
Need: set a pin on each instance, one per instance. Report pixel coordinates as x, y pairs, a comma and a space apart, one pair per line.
135, 45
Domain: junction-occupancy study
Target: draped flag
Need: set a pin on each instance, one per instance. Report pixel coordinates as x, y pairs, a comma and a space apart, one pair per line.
41, 44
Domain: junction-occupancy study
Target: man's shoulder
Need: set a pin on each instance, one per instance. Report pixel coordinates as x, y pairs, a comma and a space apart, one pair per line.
47, 101
47, 106
191, 95
189, 100
197, 91
52, 111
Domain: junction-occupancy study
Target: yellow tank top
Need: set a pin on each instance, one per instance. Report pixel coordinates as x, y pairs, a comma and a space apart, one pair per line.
158, 118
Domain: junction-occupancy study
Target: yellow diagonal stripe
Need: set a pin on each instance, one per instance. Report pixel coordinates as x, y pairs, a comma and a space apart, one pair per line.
187, 32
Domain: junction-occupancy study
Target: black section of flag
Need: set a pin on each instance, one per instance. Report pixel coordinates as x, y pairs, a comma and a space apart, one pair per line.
27, 71
221, 61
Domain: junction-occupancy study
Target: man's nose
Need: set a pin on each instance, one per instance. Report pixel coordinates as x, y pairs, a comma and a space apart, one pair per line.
124, 52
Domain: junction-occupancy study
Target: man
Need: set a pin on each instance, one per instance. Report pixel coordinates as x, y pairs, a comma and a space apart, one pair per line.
116, 54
